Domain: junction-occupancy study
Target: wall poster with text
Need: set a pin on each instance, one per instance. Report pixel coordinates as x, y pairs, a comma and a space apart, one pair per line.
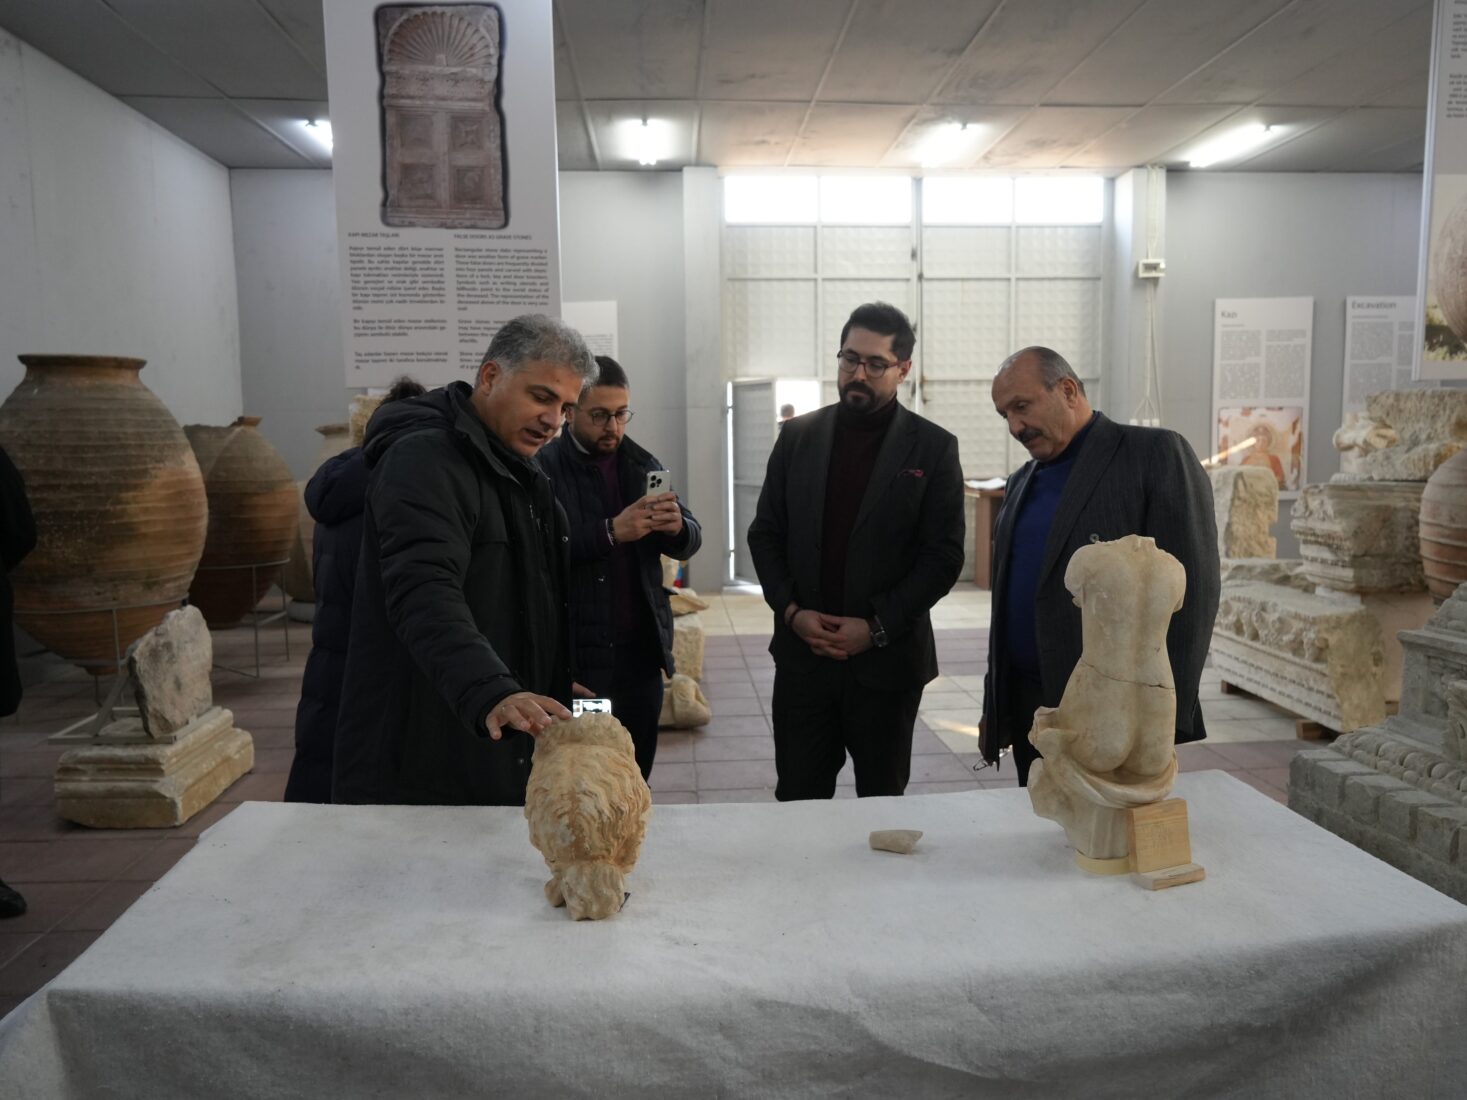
444, 162
1441, 347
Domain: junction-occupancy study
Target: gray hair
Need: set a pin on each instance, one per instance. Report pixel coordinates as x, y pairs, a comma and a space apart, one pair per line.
535, 336
1053, 367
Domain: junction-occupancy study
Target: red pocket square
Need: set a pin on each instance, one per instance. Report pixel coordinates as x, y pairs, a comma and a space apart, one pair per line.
914, 473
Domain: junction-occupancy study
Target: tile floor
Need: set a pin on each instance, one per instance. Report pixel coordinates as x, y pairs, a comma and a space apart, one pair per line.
77, 881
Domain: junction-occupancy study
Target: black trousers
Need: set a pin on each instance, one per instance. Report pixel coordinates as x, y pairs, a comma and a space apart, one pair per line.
821, 714
1024, 697
636, 697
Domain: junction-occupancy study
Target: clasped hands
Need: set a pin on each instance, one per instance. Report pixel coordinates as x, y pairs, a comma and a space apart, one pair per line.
656, 513
839, 637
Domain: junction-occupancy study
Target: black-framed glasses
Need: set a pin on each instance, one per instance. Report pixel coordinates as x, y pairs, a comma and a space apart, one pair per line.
599, 417
848, 362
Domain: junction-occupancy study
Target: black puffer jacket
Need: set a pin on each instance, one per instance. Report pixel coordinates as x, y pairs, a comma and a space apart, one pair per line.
460, 601
335, 497
578, 487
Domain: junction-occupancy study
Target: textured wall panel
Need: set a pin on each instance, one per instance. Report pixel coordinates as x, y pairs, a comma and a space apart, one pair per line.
966, 410
1063, 314
769, 328
841, 296
765, 251
965, 327
855, 251
964, 252
753, 427
1059, 250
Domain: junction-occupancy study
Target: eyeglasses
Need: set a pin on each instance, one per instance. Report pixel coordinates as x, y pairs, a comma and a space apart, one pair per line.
849, 361
599, 417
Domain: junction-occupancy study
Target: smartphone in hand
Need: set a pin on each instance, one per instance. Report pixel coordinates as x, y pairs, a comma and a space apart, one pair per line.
658, 481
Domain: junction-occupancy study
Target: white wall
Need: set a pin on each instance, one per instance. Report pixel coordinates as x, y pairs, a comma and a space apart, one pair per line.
289, 307
1263, 235
114, 239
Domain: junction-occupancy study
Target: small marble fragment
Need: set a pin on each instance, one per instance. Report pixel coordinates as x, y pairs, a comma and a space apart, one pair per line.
900, 841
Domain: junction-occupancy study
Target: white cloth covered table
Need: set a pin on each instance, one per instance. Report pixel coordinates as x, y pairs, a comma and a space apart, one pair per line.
396, 951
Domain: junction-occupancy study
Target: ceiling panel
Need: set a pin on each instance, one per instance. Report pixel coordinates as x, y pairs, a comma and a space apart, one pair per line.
654, 55
283, 118
897, 51
849, 134
1048, 136
89, 39
615, 121
743, 135
1403, 156
1371, 69
1161, 44
573, 145
769, 49
219, 129
1303, 36
234, 44
1413, 91
301, 20
1146, 136
1335, 141
1028, 48
989, 124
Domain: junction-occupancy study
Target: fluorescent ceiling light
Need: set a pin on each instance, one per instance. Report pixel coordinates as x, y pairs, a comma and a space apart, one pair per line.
947, 143
1233, 144
320, 131
648, 140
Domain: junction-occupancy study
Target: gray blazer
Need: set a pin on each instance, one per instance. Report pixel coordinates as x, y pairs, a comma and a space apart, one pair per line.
1126, 481
906, 549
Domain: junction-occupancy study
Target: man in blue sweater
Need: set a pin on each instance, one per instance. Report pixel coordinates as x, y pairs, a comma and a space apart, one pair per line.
1089, 480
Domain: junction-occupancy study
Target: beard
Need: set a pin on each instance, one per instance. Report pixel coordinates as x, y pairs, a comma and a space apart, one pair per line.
859, 397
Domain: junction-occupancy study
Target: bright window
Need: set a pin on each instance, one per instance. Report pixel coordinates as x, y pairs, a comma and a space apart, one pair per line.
770, 200
967, 200
1059, 200
866, 200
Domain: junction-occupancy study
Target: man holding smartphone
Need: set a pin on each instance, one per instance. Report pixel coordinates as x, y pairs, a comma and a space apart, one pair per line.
623, 518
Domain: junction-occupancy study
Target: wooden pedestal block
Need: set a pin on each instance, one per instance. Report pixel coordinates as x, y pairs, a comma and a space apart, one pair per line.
1160, 845
153, 783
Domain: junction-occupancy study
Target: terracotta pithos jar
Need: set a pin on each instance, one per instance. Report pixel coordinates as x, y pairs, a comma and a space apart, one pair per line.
297, 581
253, 505
119, 504
1444, 527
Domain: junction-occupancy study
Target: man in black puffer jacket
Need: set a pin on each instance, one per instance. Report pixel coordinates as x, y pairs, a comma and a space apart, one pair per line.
621, 621
459, 649
335, 497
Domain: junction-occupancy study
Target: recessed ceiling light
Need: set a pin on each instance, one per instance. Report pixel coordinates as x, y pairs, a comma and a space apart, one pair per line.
1233, 144
320, 131
649, 140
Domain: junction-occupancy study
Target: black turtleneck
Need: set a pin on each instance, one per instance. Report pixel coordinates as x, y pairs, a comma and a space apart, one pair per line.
858, 439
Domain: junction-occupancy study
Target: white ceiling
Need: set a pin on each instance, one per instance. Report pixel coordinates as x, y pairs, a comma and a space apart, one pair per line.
1086, 84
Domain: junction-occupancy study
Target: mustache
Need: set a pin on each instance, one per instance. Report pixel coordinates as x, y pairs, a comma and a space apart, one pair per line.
1028, 435
859, 387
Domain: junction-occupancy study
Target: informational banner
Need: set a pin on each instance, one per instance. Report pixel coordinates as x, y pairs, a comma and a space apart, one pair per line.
1380, 340
1261, 349
443, 119
1441, 348
596, 321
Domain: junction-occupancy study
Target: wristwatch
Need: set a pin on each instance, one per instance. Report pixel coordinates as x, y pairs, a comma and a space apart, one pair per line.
878, 632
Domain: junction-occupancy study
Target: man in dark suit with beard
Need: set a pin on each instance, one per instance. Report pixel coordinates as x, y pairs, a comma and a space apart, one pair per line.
859, 531
1089, 480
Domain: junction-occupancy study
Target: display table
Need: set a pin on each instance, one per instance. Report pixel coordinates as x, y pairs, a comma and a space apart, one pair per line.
395, 951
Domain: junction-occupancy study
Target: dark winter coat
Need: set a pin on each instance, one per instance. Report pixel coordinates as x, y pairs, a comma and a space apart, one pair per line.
579, 488
335, 497
460, 601
17, 539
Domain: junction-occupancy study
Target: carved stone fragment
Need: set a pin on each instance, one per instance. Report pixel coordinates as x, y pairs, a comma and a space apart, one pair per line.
587, 805
1357, 536
1246, 502
1109, 745
1410, 433
170, 669
1319, 656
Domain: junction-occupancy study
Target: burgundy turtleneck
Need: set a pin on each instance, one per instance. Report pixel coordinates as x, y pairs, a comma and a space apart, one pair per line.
858, 439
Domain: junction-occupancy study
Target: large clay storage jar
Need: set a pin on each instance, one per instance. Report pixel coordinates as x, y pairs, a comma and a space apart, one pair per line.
119, 505
1444, 527
252, 518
